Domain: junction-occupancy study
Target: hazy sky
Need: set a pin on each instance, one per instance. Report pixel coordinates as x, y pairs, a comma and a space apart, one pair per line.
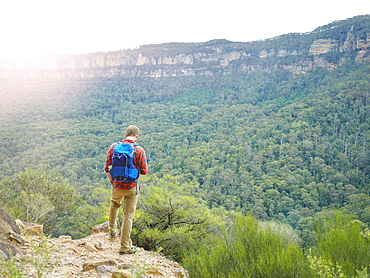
84, 26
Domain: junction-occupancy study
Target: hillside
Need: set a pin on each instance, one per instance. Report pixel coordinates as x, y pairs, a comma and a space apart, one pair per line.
326, 47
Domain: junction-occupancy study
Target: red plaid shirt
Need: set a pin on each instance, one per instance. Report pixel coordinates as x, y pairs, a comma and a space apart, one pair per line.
139, 162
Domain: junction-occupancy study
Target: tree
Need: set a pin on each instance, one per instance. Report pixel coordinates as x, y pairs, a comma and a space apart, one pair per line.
171, 218
359, 205
44, 197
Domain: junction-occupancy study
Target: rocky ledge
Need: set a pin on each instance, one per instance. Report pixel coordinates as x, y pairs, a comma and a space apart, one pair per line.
26, 251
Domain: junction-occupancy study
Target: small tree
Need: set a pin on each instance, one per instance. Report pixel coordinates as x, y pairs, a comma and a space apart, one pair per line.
171, 218
44, 197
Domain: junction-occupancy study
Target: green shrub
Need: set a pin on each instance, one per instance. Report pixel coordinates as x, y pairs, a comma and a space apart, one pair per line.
43, 196
248, 251
343, 242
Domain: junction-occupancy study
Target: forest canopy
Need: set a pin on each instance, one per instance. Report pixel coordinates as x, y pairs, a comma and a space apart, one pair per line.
278, 145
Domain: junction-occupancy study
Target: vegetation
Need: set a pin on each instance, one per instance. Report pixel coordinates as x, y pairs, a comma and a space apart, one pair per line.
283, 149
251, 250
343, 242
248, 251
170, 219
46, 197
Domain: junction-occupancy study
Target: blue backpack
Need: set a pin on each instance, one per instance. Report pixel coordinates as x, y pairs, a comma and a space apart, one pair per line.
123, 168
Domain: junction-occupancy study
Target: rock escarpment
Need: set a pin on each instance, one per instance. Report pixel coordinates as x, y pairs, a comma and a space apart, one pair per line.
325, 48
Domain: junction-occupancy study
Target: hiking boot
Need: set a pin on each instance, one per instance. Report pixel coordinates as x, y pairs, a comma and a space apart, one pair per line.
129, 251
113, 235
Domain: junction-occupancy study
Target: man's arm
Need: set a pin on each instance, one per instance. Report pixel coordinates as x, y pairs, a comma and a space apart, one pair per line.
108, 162
109, 177
140, 161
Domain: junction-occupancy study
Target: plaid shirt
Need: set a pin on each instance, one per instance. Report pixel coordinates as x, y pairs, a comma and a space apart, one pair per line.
139, 162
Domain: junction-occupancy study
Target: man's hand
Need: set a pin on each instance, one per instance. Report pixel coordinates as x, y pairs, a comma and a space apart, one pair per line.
109, 177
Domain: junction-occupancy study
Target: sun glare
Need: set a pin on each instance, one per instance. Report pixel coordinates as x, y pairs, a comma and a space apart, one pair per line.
29, 58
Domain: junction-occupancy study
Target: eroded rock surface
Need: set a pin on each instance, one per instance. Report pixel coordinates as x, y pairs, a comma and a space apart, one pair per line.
31, 253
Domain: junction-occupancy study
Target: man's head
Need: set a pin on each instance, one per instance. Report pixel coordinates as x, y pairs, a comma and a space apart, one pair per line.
132, 131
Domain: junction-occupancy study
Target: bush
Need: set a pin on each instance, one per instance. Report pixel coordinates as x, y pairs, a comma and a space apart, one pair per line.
44, 197
170, 218
248, 251
342, 241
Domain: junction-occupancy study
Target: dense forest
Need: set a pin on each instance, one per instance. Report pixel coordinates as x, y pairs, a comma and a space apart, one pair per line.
280, 147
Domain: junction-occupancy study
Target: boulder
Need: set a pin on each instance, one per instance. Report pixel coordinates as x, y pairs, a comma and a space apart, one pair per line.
9, 236
7, 223
16, 238
30, 229
8, 250
101, 228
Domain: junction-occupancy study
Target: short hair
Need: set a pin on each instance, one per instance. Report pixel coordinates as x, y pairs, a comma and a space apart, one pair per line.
132, 130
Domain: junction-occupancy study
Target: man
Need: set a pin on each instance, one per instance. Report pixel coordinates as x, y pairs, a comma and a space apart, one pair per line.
128, 190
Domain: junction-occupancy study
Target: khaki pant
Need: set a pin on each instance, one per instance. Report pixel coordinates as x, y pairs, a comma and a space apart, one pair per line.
130, 198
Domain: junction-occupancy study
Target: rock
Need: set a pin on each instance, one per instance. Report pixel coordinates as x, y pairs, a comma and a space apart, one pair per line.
8, 250
20, 224
101, 228
75, 250
193, 59
7, 223
155, 271
65, 239
99, 246
103, 269
30, 229
125, 266
65, 257
17, 238
9, 236
322, 46
121, 274
90, 248
93, 265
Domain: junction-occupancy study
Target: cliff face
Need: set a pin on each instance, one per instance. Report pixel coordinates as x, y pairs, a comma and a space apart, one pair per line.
326, 48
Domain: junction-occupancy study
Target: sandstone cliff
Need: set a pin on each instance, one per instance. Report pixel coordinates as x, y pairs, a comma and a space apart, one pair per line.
326, 47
